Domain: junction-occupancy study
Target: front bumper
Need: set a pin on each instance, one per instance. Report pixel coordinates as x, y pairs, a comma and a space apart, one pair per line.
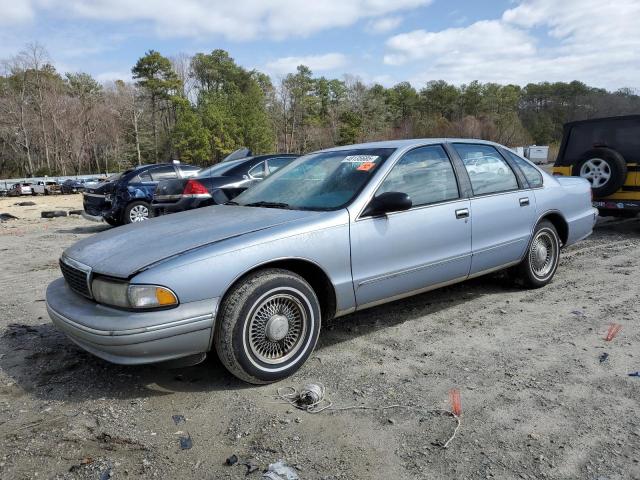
131, 338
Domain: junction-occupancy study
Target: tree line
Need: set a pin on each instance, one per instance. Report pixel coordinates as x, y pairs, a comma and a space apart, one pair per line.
200, 108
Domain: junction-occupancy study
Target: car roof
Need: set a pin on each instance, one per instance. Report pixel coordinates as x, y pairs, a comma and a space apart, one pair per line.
414, 142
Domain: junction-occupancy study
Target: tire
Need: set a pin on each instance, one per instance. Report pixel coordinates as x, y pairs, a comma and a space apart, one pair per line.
53, 213
605, 169
253, 311
135, 212
112, 221
544, 241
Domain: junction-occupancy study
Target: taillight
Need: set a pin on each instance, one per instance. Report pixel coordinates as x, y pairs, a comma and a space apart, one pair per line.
194, 187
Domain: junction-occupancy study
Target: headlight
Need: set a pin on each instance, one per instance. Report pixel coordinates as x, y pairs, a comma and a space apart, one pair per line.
125, 295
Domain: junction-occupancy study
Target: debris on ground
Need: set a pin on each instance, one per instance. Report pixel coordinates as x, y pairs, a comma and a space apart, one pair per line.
232, 460
185, 442
53, 213
603, 357
634, 374
7, 216
612, 331
178, 419
280, 471
25, 204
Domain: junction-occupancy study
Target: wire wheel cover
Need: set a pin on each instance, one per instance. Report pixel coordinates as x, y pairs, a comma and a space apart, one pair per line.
277, 327
543, 254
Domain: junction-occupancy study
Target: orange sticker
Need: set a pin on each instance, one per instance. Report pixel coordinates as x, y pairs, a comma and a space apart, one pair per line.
366, 166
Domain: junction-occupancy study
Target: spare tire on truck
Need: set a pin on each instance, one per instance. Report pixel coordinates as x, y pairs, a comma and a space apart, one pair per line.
605, 169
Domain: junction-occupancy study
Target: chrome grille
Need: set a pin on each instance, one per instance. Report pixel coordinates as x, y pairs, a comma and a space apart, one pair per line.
76, 278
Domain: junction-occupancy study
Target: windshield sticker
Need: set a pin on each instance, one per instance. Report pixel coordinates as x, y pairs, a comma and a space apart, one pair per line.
366, 166
360, 159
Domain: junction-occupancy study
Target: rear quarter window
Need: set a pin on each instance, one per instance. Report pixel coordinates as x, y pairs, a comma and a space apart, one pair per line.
531, 173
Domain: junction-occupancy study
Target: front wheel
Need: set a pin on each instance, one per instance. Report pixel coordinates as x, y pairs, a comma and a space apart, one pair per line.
541, 261
267, 326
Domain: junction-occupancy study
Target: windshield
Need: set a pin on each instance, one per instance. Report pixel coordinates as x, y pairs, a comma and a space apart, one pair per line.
219, 169
320, 181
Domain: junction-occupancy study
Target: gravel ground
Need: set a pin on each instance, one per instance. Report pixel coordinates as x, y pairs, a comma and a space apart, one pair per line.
537, 401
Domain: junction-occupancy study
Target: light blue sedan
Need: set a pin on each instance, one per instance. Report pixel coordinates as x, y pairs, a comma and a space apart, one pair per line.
336, 231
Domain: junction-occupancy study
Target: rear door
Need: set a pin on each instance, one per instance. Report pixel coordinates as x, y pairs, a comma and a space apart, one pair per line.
503, 209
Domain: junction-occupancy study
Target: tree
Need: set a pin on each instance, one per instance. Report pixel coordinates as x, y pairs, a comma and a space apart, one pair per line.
156, 75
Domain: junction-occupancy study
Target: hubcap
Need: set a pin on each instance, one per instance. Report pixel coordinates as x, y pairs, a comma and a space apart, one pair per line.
597, 171
543, 254
277, 327
139, 213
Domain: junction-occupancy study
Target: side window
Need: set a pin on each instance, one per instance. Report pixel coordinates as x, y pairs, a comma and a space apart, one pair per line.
488, 171
276, 164
142, 177
425, 174
531, 173
257, 171
163, 173
188, 172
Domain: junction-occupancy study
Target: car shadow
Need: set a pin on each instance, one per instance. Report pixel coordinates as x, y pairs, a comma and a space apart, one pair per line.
43, 361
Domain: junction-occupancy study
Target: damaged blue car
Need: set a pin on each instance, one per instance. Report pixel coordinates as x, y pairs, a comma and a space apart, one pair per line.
126, 197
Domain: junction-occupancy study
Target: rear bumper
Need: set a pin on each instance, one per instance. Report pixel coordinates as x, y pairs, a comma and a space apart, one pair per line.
131, 338
618, 204
181, 205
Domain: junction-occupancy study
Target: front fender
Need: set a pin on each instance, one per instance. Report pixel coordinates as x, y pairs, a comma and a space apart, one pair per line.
210, 271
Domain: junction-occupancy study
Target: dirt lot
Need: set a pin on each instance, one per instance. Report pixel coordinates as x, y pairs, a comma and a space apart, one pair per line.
537, 401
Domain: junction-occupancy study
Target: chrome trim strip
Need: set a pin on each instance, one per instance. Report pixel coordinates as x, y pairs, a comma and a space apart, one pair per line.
411, 270
132, 331
411, 293
97, 195
167, 197
500, 245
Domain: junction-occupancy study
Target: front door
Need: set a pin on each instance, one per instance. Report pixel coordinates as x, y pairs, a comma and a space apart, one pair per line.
429, 245
503, 210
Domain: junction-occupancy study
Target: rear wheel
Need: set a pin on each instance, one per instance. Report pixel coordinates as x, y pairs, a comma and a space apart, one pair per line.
541, 261
604, 168
268, 325
135, 212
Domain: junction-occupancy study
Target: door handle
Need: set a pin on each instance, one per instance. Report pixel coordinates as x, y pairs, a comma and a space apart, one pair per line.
462, 213
524, 201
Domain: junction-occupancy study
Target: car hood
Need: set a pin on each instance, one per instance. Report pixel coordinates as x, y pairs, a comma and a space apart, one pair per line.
124, 251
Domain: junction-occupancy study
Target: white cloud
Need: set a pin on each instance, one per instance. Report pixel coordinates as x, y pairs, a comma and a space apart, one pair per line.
15, 11
235, 20
493, 38
384, 25
317, 63
588, 40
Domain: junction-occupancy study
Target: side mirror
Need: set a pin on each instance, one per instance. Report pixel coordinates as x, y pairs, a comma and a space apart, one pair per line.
386, 203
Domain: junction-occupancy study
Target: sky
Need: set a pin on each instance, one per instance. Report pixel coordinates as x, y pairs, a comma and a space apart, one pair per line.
383, 41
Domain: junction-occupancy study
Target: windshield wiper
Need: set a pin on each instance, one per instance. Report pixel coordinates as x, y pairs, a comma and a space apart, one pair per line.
268, 205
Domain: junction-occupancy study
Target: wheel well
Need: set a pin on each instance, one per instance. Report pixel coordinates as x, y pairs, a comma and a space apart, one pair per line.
313, 274
560, 223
